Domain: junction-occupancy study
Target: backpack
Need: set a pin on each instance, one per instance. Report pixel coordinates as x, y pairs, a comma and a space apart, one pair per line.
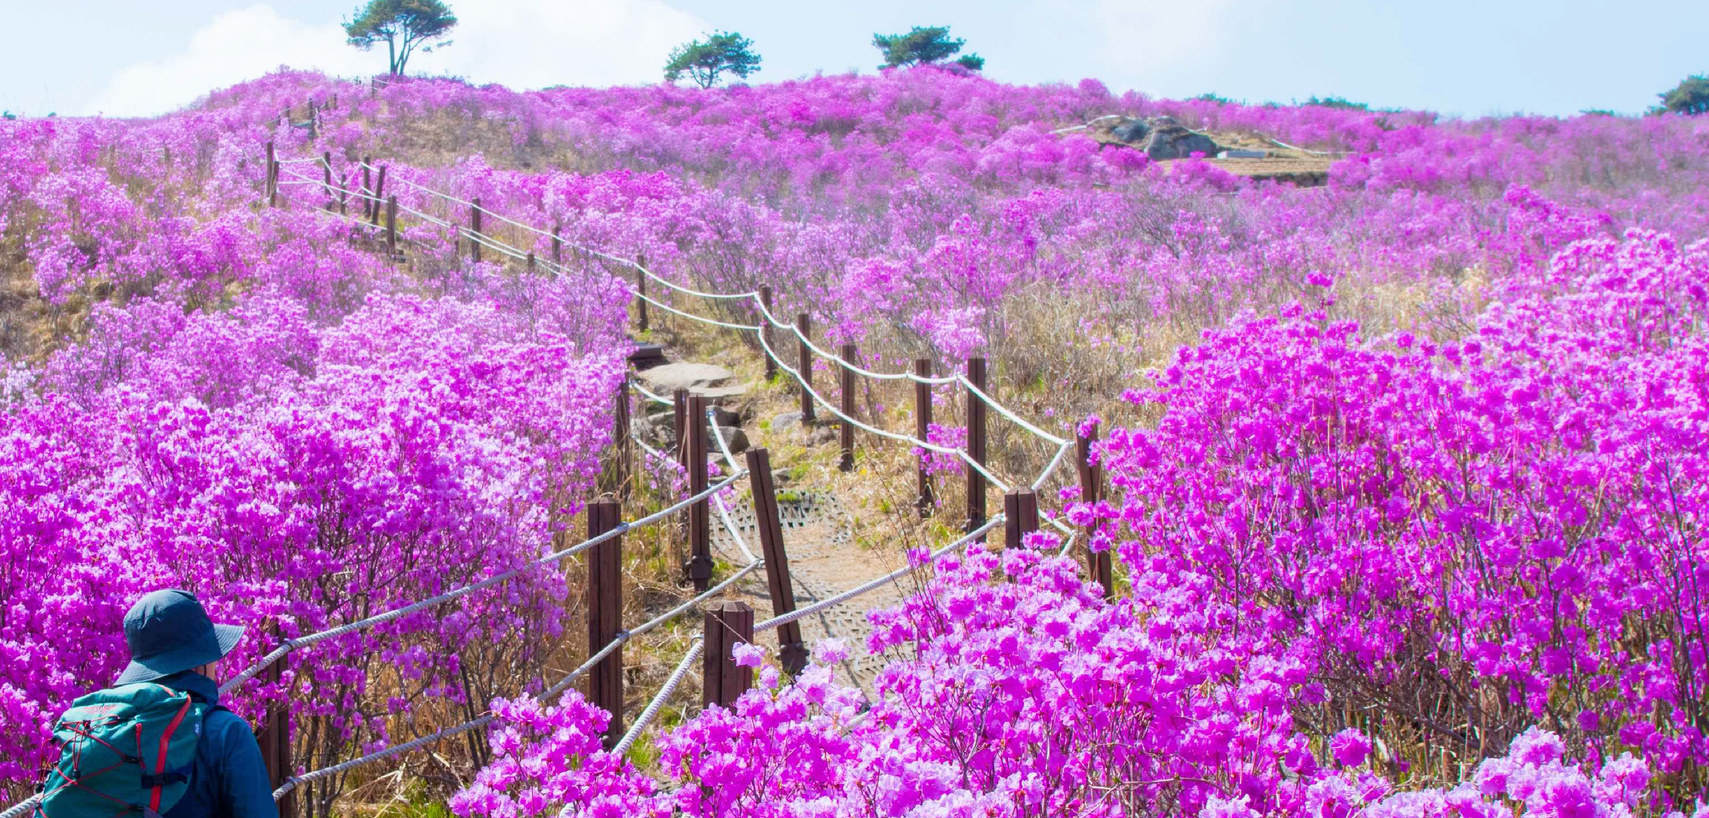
123, 750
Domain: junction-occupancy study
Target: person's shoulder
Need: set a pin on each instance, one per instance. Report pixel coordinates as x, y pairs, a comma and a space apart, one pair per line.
224, 728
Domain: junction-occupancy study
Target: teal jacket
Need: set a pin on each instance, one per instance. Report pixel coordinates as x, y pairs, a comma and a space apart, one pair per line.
228, 779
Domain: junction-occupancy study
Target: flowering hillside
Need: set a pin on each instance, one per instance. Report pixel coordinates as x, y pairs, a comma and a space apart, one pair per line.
1408, 468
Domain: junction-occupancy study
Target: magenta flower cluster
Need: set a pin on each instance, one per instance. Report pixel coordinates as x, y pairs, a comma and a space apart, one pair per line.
260, 408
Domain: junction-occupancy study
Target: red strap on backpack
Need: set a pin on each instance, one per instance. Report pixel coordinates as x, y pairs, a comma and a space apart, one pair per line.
160, 761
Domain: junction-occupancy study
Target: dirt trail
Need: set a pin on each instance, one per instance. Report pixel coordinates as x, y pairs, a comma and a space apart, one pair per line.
824, 560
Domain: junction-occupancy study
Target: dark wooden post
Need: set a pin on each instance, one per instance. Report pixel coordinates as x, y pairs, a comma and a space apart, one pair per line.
271, 179
1020, 516
344, 180
765, 332
1098, 564
275, 737
975, 444
922, 428
557, 246
724, 681
379, 194
700, 513
326, 169
605, 614
1011, 520
530, 261
475, 230
641, 287
392, 226
804, 361
848, 408
769, 522
367, 188
617, 472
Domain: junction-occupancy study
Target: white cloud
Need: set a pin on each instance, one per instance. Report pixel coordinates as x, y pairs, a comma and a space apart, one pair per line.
518, 43
235, 46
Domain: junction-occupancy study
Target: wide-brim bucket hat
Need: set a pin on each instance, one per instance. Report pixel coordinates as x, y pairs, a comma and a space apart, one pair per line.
170, 632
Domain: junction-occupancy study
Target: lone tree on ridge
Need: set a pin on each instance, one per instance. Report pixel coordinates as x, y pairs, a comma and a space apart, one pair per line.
1690, 96
924, 45
703, 61
406, 26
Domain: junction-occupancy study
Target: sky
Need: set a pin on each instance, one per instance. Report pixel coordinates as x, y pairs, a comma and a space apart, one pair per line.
1455, 57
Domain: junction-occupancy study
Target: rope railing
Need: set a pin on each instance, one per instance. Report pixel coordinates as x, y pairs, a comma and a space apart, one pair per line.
301, 642
771, 319
457, 729
752, 295
17, 810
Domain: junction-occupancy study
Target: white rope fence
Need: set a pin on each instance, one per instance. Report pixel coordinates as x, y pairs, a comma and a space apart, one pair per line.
1062, 444
301, 642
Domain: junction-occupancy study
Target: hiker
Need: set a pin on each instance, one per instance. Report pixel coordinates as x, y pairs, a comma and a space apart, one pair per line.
197, 759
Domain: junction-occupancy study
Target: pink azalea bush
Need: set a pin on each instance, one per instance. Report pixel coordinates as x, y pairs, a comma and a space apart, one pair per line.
1016, 691
262, 410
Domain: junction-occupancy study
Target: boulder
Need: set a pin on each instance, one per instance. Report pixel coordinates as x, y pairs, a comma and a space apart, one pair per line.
700, 379
1133, 130
735, 438
1172, 140
785, 421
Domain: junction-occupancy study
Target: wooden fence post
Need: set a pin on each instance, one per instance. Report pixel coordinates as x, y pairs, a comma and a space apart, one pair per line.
326, 169
641, 288
379, 194
1091, 491
1020, 516
344, 180
922, 428
605, 614
804, 362
975, 444
848, 406
271, 178
700, 513
724, 681
475, 230
617, 473
557, 245
275, 737
367, 188
768, 521
392, 227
